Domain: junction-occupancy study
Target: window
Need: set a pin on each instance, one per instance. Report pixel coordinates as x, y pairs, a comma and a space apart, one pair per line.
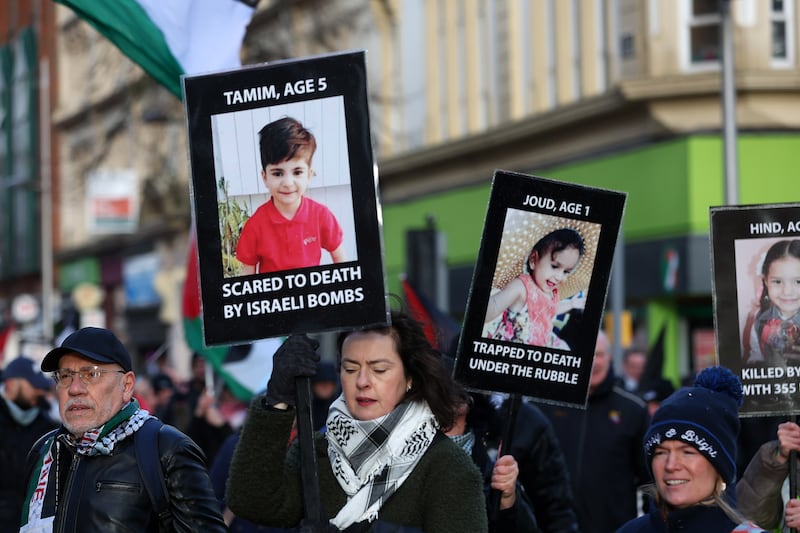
704, 32
782, 33
626, 46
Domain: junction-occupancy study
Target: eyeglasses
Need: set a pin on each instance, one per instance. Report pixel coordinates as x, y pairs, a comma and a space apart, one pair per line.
88, 374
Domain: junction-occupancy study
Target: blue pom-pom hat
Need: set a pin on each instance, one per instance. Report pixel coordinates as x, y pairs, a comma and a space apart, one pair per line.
705, 416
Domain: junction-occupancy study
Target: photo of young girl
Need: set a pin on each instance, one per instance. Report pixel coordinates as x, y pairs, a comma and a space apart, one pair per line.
771, 327
541, 279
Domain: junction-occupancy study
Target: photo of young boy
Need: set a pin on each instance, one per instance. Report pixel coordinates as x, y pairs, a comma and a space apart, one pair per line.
541, 279
286, 218
289, 230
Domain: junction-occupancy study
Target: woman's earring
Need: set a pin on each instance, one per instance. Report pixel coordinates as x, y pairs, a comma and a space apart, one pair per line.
408, 386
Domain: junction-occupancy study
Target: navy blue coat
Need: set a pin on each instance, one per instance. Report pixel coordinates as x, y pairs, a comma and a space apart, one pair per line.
603, 449
698, 518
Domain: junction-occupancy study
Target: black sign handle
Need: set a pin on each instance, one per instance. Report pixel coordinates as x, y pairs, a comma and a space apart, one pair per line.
514, 401
793, 472
312, 503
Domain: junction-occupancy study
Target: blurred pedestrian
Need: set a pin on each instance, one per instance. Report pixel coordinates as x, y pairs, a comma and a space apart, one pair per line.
23, 419
220, 468
633, 362
214, 419
602, 447
542, 501
324, 390
657, 392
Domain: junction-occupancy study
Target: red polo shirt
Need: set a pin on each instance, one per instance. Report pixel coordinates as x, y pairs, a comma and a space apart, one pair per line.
274, 242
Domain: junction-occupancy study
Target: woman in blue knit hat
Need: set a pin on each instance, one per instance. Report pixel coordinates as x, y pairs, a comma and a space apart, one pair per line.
691, 452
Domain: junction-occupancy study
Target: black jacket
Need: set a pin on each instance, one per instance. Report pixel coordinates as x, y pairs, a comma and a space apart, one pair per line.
544, 483
106, 493
705, 518
603, 448
15, 441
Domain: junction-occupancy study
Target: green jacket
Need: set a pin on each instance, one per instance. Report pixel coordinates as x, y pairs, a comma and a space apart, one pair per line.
442, 495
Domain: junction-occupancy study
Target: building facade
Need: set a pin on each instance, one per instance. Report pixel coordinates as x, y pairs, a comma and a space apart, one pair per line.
620, 94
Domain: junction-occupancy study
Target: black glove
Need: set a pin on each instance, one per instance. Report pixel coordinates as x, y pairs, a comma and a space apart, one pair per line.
296, 357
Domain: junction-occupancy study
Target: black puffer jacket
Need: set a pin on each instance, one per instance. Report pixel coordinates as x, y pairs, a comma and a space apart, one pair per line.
106, 493
543, 477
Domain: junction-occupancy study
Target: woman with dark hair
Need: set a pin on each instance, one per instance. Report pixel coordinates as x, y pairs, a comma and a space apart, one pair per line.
383, 458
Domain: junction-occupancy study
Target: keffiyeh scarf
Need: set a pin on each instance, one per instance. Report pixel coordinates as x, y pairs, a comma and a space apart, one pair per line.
98, 441
372, 458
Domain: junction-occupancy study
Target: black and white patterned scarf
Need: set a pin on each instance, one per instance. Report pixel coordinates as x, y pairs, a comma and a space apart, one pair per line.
372, 458
99, 441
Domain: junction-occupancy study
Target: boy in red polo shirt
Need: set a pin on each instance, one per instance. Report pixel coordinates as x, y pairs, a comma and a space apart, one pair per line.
289, 230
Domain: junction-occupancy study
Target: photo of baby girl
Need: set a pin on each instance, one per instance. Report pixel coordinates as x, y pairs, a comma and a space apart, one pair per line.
541, 279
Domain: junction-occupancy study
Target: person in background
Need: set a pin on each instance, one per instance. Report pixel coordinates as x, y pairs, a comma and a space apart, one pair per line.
691, 449
543, 471
542, 501
633, 362
324, 390
164, 395
656, 393
22, 421
514, 515
602, 447
219, 471
144, 393
215, 418
85, 476
383, 459
761, 492
195, 387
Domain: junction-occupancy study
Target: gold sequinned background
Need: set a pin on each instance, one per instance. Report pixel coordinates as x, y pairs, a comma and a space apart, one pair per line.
523, 229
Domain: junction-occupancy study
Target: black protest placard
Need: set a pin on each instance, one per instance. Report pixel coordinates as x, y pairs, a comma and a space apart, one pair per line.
285, 199
539, 288
755, 258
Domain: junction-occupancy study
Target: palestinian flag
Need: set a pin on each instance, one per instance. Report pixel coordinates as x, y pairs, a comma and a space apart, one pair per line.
244, 368
168, 38
441, 329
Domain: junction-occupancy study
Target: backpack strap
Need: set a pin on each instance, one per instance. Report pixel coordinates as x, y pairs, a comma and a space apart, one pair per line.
148, 459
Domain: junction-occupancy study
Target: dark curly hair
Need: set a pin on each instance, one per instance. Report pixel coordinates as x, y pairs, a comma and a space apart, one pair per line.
430, 378
779, 250
554, 242
283, 139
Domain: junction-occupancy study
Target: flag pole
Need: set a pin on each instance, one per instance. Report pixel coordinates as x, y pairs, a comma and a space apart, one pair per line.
729, 106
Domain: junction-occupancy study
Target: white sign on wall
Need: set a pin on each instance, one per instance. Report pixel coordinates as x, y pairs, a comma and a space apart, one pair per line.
112, 201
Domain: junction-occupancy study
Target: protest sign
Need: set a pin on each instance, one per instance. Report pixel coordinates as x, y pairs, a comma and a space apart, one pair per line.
539, 288
755, 259
285, 199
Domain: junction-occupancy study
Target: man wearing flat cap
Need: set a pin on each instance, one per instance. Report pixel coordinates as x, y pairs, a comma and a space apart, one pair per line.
86, 475
23, 419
